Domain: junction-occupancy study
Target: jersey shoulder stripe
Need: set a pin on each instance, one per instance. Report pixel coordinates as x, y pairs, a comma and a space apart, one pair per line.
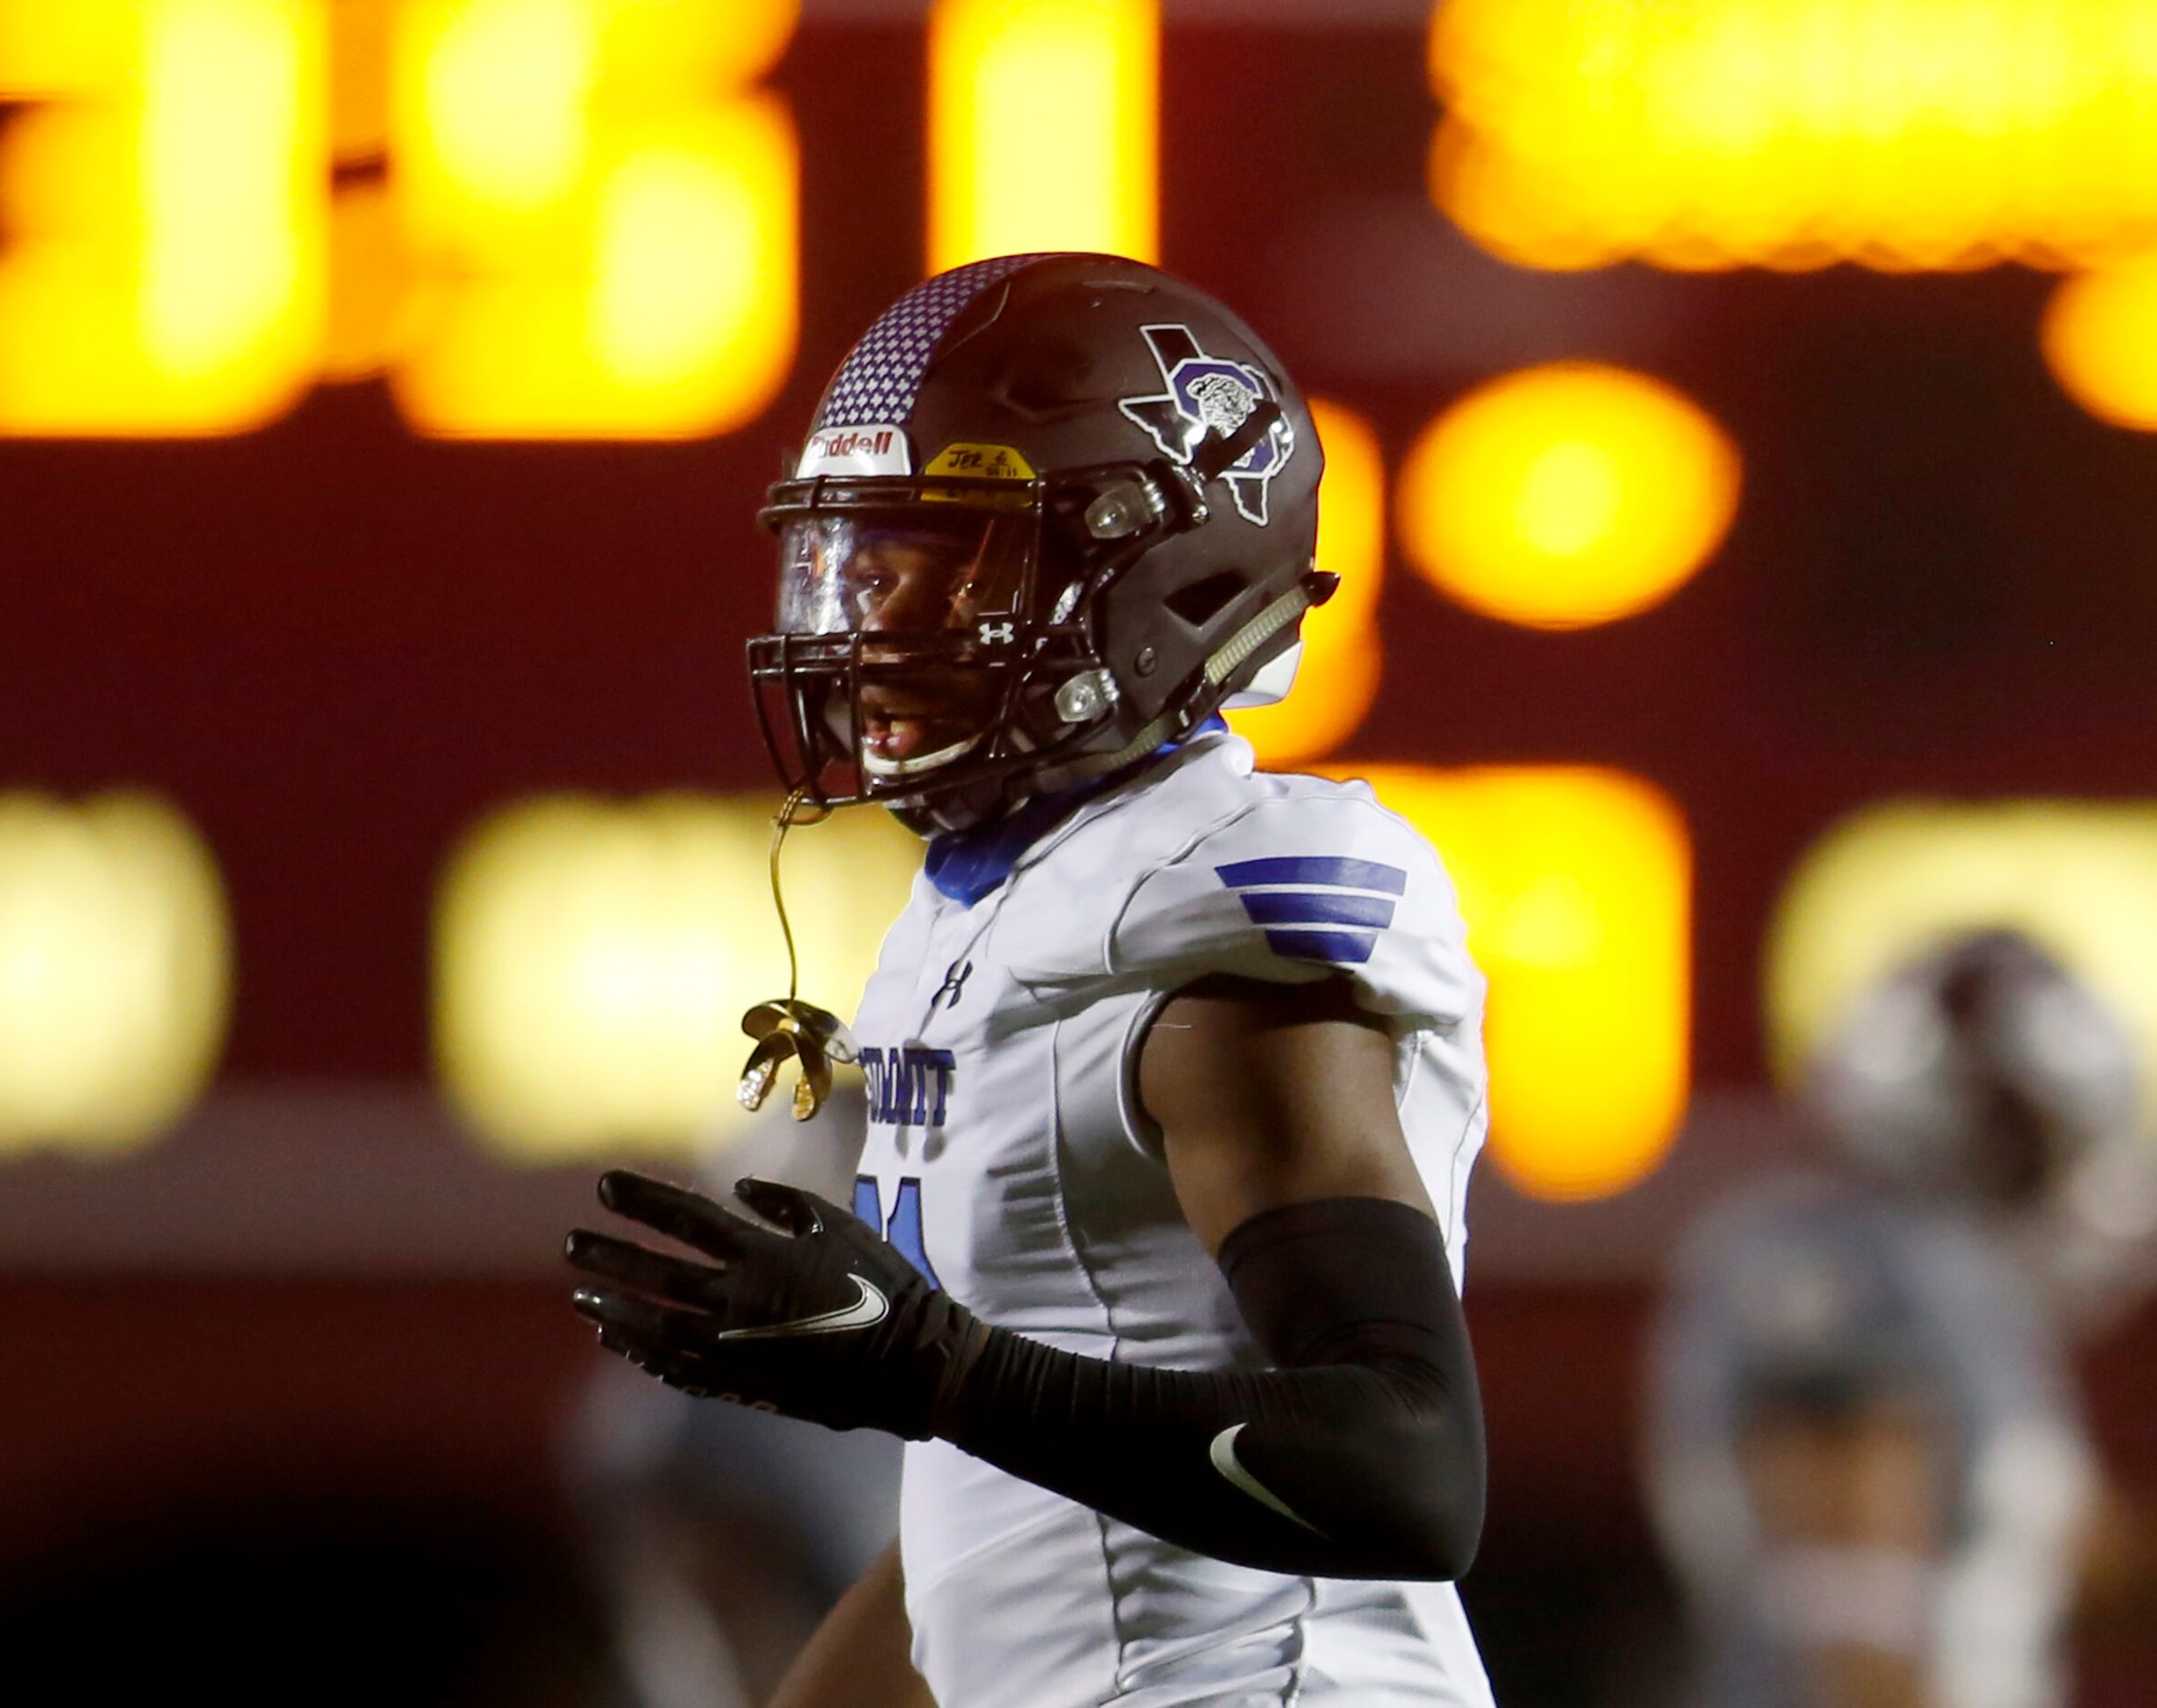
1342, 948
1205, 867
1316, 906
1330, 871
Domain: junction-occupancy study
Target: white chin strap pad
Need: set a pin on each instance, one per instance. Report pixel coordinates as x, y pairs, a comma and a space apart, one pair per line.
1270, 687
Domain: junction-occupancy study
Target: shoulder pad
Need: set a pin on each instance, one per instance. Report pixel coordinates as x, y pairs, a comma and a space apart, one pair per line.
1314, 881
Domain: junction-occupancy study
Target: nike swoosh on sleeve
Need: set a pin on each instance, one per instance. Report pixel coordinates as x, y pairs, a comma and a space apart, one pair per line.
1223, 1453
870, 1307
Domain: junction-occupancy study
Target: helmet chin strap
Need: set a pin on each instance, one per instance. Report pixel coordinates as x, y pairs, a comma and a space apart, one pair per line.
1227, 659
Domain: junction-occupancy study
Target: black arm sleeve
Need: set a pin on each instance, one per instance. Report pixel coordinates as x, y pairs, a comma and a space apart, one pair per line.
1360, 1457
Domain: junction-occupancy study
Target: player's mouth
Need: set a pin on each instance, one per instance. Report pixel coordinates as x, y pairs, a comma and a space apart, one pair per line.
900, 736
907, 746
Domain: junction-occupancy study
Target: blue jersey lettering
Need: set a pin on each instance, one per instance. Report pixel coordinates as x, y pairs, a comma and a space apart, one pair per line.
909, 1085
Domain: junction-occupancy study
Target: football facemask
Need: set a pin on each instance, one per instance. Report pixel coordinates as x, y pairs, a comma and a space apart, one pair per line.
897, 578
907, 635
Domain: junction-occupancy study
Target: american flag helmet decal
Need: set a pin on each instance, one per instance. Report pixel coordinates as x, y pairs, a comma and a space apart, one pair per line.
878, 381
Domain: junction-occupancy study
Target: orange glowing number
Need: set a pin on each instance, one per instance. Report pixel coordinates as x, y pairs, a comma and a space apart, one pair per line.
1576, 882
1044, 117
163, 196
605, 246
557, 219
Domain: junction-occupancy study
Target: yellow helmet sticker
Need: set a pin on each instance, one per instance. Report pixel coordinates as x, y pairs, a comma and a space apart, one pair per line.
980, 462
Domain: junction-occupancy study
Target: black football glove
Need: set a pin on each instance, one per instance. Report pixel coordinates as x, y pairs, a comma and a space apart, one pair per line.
822, 1320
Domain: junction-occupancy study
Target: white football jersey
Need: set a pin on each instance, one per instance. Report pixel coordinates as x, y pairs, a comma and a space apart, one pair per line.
1008, 1157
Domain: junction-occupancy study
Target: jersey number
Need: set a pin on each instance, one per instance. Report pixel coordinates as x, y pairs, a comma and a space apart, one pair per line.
904, 1229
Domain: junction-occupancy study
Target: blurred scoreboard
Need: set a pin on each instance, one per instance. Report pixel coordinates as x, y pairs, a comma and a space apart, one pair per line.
533, 218
386, 387
582, 218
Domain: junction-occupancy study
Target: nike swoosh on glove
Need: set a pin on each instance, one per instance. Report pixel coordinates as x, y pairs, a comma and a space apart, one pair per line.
815, 1316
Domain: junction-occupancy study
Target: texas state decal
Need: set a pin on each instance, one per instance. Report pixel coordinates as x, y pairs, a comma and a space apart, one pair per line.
1207, 393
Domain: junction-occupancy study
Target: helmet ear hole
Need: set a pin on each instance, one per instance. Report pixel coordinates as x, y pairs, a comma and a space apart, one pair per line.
1200, 602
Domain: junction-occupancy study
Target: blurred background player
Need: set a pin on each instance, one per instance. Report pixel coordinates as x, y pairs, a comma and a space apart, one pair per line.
1868, 1459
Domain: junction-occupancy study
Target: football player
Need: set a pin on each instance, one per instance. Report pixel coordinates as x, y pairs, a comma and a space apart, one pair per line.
1867, 1456
1173, 1066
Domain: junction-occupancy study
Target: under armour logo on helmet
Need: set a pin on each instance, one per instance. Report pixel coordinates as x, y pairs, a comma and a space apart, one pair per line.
997, 634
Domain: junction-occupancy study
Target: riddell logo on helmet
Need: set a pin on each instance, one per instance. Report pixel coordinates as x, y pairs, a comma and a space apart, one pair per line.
874, 449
